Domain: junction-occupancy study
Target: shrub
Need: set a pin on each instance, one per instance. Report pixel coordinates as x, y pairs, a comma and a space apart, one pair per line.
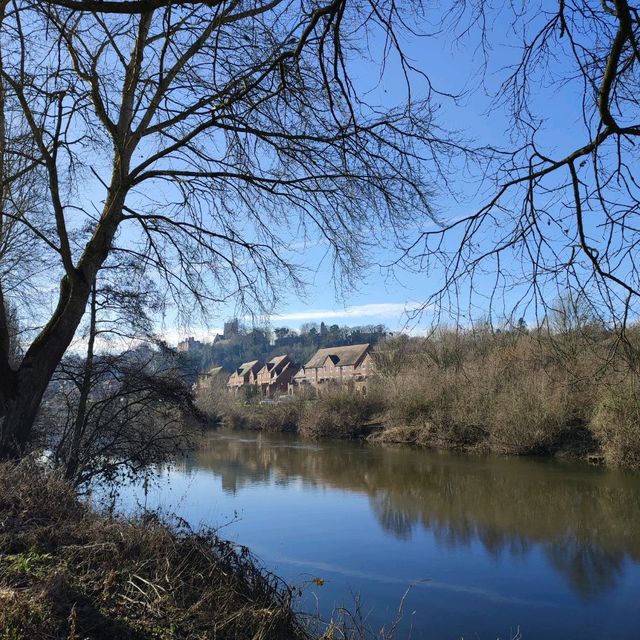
273, 417
409, 402
616, 423
435, 409
526, 418
339, 414
510, 393
212, 400
237, 417
280, 416
24, 614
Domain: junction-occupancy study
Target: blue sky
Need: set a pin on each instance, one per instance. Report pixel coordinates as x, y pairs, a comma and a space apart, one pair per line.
378, 295
453, 67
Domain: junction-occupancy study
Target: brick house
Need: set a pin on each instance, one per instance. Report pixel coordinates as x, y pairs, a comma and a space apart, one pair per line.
246, 374
350, 366
275, 375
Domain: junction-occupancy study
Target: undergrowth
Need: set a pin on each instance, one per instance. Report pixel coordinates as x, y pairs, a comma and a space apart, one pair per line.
68, 572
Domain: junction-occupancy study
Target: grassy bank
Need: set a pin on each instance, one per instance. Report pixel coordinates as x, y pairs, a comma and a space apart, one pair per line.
334, 415
69, 572
572, 393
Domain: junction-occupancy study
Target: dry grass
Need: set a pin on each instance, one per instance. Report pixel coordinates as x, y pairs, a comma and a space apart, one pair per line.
515, 393
68, 572
616, 423
336, 414
277, 417
25, 613
339, 414
569, 393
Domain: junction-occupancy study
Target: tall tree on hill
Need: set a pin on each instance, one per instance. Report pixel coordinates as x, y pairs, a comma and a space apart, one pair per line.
190, 136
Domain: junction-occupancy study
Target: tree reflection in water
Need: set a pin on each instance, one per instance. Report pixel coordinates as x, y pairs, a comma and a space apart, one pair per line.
589, 570
584, 519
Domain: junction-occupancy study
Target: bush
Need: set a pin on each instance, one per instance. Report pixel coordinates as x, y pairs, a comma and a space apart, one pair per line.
339, 414
409, 402
236, 417
506, 392
273, 417
24, 614
68, 572
212, 400
616, 423
527, 418
279, 417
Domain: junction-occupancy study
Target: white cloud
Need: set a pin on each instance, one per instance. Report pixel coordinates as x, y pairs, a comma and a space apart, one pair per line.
376, 310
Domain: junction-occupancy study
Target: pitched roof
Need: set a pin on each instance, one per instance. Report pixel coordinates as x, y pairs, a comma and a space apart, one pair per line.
277, 360
274, 363
214, 371
245, 367
346, 356
301, 373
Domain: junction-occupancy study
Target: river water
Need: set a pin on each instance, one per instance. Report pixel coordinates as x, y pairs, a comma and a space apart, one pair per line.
481, 547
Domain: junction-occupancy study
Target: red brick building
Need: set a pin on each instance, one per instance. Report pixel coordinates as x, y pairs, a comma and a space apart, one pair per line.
274, 377
246, 374
350, 366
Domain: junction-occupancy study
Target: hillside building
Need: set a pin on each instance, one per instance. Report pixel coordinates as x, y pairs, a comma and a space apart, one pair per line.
276, 375
351, 366
190, 344
245, 374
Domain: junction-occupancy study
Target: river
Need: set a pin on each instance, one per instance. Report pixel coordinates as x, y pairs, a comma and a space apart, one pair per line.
482, 546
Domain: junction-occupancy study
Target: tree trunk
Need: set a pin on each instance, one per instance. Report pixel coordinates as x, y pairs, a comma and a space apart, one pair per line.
21, 409
73, 457
23, 396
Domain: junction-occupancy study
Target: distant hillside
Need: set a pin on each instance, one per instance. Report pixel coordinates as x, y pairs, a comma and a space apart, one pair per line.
258, 344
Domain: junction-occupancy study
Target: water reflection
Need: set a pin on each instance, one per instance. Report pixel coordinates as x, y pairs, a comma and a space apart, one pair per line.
589, 570
584, 520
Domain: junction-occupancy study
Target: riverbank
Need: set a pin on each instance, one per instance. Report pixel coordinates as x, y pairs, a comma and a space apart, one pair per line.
69, 572
344, 416
569, 393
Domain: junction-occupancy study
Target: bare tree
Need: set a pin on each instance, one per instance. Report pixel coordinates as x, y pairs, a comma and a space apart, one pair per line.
554, 221
14, 336
124, 405
199, 138
108, 416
